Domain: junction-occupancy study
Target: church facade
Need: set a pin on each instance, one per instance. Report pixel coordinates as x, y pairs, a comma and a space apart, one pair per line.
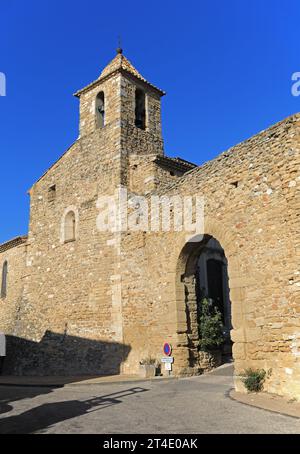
80, 295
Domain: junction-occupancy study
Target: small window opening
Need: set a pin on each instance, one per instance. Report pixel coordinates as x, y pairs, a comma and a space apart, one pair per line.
140, 109
4, 280
52, 193
70, 227
100, 110
235, 184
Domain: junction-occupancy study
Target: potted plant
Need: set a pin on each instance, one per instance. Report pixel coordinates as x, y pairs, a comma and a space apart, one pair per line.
148, 367
211, 335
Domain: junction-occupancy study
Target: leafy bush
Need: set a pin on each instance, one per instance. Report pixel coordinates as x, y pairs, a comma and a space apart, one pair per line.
210, 326
253, 379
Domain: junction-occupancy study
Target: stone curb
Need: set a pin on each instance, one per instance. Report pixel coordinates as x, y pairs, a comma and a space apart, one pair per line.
85, 383
105, 381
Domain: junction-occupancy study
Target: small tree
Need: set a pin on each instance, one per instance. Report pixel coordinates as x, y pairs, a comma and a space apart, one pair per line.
210, 326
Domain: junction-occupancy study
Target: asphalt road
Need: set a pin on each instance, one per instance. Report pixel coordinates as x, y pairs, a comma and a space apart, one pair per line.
189, 405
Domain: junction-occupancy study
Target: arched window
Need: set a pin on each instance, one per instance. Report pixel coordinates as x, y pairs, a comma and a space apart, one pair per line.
100, 110
70, 227
140, 109
4, 280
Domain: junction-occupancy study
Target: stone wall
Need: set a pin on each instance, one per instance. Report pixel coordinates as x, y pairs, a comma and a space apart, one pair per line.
145, 175
252, 201
67, 288
58, 353
15, 255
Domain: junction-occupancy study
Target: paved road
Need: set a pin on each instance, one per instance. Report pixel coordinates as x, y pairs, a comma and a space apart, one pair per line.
190, 405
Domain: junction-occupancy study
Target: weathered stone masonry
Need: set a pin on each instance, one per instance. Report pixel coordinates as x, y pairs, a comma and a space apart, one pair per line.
256, 220
103, 302
14, 253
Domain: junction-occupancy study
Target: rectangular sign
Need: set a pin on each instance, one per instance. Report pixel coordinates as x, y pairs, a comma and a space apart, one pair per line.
167, 359
168, 366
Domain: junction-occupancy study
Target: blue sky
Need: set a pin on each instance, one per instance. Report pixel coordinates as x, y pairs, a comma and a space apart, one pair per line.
226, 67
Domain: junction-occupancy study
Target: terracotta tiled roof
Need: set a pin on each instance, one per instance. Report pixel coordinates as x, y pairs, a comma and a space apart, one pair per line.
119, 64
13, 243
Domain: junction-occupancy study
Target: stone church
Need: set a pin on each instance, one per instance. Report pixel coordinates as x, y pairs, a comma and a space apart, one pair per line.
78, 300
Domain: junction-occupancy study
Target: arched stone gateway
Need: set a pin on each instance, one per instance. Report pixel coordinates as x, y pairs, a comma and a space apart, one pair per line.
203, 271
205, 276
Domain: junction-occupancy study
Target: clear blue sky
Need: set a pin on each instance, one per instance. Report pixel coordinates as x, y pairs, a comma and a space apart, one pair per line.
226, 67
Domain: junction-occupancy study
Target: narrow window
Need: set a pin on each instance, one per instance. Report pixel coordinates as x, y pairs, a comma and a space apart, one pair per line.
140, 109
100, 110
52, 193
70, 227
4, 280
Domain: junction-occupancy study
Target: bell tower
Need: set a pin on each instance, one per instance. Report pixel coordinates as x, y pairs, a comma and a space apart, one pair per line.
123, 101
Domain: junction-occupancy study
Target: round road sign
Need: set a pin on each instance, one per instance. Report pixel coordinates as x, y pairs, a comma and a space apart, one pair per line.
167, 349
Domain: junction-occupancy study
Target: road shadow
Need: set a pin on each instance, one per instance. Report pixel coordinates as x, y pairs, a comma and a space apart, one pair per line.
42, 417
11, 394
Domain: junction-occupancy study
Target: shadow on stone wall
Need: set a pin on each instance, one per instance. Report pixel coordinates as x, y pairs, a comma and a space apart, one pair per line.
60, 354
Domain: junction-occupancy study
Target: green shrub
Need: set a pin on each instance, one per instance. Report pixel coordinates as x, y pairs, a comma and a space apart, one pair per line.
253, 379
210, 326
